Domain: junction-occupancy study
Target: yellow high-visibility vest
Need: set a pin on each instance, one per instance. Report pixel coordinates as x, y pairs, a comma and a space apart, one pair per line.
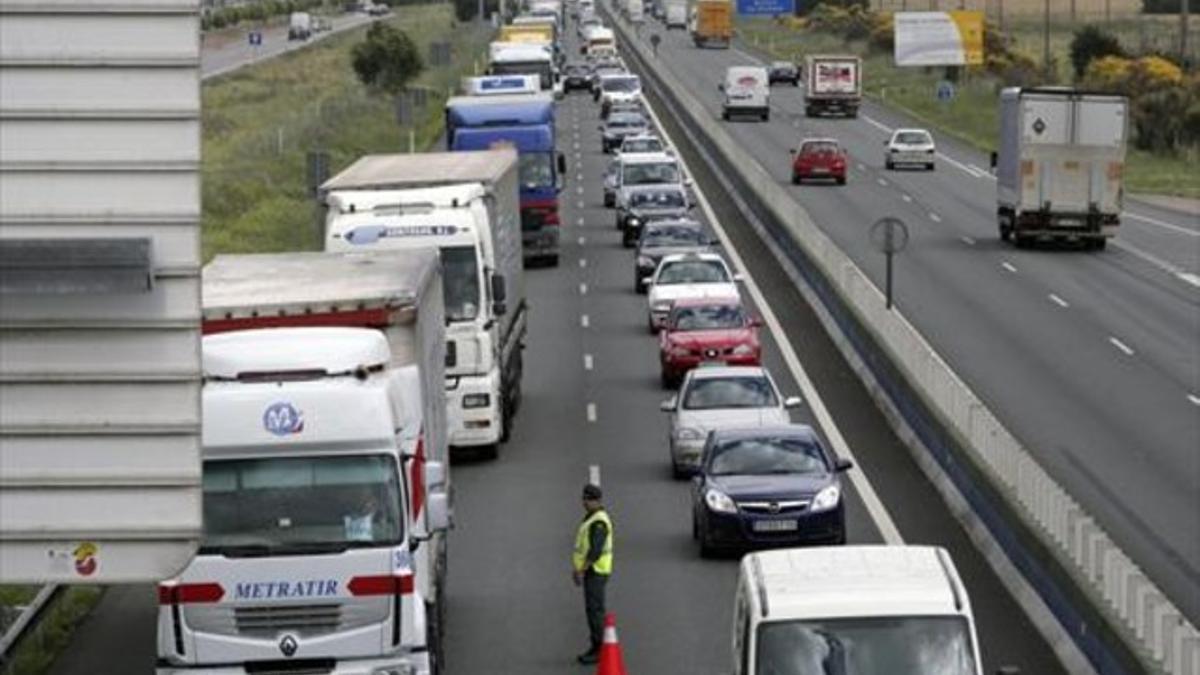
603, 564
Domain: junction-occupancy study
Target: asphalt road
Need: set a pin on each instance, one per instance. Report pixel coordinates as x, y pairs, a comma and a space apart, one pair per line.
1092, 359
591, 400
225, 56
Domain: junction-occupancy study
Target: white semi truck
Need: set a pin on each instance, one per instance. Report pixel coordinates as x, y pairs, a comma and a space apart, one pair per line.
466, 205
307, 561
1060, 164
396, 292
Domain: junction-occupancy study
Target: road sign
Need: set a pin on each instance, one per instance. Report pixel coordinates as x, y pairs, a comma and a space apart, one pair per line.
945, 91
766, 7
890, 236
256, 38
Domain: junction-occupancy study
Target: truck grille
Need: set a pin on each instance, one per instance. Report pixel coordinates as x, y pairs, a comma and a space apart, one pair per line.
302, 619
266, 621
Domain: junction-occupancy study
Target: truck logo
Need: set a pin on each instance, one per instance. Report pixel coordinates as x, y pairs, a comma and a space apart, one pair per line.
288, 645
282, 419
370, 234
505, 83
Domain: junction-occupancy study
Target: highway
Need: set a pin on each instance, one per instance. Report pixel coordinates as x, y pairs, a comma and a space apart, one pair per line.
227, 52
590, 406
1092, 359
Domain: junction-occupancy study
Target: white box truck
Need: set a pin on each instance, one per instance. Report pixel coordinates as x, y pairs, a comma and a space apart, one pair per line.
300, 26
849, 609
676, 14
1060, 164
396, 292
832, 84
307, 555
466, 205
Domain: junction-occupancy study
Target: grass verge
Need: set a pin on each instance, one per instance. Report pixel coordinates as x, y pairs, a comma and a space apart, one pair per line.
972, 116
261, 122
38, 649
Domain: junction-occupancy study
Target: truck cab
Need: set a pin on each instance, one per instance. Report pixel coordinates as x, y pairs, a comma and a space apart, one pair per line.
849, 609
307, 554
747, 91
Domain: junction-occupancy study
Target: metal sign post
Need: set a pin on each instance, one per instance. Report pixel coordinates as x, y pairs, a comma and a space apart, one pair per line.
890, 235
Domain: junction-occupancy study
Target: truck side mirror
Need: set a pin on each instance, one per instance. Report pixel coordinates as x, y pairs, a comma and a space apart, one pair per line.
435, 475
437, 511
994, 158
721, 87
499, 295
562, 163
841, 465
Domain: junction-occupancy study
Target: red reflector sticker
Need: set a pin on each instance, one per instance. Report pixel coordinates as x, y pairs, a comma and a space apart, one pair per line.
185, 594
384, 584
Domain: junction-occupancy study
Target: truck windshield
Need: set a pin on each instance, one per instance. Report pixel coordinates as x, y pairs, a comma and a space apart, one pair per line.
536, 170
295, 505
460, 281
918, 645
539, 68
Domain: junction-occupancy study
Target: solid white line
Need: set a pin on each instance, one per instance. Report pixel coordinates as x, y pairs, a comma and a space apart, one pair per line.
862, 483
878, 125
1008, 266
1163, 224
980, 170
1193, 279
752, 59
591, 412
1121, 345
583, 262
1058, 301
935, 217
906, 198
1194, 399
1161, 264
594, 475
587, 362
583, 289
969, 241
584, 321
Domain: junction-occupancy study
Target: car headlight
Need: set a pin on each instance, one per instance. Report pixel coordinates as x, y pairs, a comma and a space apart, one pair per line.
743, 350
719, 502
398, 669
826, 499
688, 434
633, 221
476, 400
645, 261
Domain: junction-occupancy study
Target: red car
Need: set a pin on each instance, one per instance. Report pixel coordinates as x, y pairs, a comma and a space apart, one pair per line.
819, 158
706, 330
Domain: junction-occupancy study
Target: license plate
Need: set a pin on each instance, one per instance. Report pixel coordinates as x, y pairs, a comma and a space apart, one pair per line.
775, 525
820, 170
1070, 222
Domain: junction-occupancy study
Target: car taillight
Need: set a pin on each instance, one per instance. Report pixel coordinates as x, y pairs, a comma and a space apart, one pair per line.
551, 218
189, 594
383, 584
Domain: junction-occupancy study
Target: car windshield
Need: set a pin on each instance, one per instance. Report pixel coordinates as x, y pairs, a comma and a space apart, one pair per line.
650, 173
460, 283
621, 84
627, 121
897, 645
692, 272
576, 69
913, 138
281, 505
641, 145
672, 235
707, 317
819, 148
766, 455
657, 199
746, 391
536, 169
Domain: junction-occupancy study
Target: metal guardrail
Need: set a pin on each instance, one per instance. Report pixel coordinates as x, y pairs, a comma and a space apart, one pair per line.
26, 623
919, 380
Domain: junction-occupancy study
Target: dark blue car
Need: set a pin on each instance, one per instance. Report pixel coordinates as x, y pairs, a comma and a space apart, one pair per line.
767, 486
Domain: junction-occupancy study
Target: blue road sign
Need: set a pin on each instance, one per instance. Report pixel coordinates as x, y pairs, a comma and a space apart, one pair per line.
766, 7
255, 38
945, 90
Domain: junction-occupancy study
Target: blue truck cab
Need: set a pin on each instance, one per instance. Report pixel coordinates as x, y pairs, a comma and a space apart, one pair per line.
525, 121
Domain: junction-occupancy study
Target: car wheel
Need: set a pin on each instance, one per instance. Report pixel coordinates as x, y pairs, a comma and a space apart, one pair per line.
650, 326
433, 640
695, 527
930, 166
664, 378
795, 178
1022, 241
707, 550
489, 452
1099, 244
627, 241
796, 82
552, 260
887, 164
766, 116
841, 180
809, 112
609, 200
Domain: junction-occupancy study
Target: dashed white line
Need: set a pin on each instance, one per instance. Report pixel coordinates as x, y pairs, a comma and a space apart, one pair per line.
594, 475
1193, 279
579, 222
906, 198
584, 321
579, 189
578, 176
583, 262
582, 241
1009, 266
583, 289
935, 217
862, 167
587, 362
1121, 345
591, 412
580, 205
969, 241
1058, 301
1194, 399
881, 181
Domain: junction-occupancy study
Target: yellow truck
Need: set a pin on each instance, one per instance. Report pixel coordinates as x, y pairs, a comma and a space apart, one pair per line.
712, 23
526, 33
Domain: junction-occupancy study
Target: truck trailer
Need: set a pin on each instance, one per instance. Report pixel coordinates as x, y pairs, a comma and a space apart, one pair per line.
832, 84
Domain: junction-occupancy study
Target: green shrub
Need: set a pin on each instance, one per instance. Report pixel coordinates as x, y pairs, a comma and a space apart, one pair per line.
387, 60
1091, 43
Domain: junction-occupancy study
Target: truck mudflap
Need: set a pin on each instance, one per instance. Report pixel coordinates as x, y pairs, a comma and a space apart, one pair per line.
1030, 226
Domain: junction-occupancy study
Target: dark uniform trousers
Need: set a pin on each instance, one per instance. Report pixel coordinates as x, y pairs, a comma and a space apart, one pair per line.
594, 586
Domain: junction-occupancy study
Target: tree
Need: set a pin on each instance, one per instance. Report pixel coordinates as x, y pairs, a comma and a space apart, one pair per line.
1091, 43
465, 10
387, 61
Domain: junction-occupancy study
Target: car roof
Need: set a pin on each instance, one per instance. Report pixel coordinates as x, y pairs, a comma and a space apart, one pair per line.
674, 222
706, 302
800, 431
712, 372
783, 63
645, 157
912, 131
625, 115
819, 140
642, 137
697, 255
655, 187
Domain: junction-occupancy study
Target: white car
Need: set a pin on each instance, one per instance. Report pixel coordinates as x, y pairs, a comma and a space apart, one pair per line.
910, 146
687, 275
642, 143
721, 397
633, 170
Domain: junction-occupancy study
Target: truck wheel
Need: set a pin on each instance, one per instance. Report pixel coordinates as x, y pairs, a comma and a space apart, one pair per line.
725, 115
766, 116
931, 166
1099, 244
795, 178
433, 640
887, 164
552, 260
809, 112
853, 114
1022, 241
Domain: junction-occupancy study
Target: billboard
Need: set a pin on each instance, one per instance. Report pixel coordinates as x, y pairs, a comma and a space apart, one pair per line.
766, 7
939, 38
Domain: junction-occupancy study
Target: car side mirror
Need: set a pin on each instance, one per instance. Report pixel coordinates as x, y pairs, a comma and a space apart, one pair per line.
646, 281
697, 480
842, 465
994, 158
562, 163
739, 277
793, 402
791, 151
687, 182
667, 405
437, 511
721, 87
757, 322
435, 476
499, 295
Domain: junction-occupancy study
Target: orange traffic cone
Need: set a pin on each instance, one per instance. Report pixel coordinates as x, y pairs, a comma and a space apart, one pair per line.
611, 662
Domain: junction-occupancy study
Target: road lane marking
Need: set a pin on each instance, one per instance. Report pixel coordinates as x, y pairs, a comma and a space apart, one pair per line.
580, 205
582, 241
969, 241
978, 169
583, 289
881, 181
935, 217
594, 475
591, 412
906, 198
878, 125
578, 176
1058, 301
1008, 266
587, 362
1163, 224
862, 168
579, 222
584, 321
753, 59
579, 189
971, 170
1194, 399
1193, 279
583, 262
1187, 277
858, 477
1121, 345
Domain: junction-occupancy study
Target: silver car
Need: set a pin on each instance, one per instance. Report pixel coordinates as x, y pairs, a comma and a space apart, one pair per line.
910, 146
720, 397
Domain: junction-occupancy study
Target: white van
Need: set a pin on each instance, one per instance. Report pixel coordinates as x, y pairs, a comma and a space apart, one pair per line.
747, 92
848, 609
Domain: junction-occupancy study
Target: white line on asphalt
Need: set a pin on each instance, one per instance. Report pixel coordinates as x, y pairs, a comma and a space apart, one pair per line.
579, 189
578, 176
1058, 301
881, 182
1193, 279
862, 167
582, 241
980, 170
1164, 224
906, 198
1187, 277
969, 241
594, 475
584, 321
587, 361
583, 262
591, 412
579, 205
583, 289
1194, 399
862, 483
1009, 266
878, 125
935, 217
580, 221
972, 170
753, 59
1121, 345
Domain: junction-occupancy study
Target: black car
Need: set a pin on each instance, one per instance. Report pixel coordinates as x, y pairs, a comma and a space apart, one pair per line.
577, 75
767, 486
618, 126
648, 204
783, 71
662, 238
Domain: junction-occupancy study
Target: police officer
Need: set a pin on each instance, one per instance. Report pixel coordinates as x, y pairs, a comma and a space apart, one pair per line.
591, 565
